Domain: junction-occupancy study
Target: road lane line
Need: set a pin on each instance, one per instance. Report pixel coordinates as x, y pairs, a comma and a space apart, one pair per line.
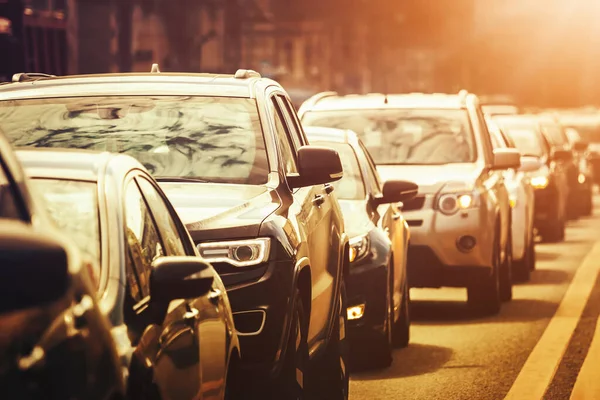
538, 371
587, 385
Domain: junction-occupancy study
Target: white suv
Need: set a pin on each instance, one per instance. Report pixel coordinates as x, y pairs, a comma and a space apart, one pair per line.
460, 221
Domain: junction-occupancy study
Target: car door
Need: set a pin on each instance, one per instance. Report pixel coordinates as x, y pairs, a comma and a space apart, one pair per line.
393, 223
311, 211
211, 326
166, 362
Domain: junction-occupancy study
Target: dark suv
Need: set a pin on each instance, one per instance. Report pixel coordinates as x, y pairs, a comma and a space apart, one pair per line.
231, 155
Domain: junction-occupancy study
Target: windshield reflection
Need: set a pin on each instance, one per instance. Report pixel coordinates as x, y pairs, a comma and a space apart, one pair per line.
415, 136
212, 139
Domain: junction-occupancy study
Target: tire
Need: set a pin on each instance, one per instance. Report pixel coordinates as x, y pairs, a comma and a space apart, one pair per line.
506, 280
485, 297
331, 378
401, 329
290, 383
522, 268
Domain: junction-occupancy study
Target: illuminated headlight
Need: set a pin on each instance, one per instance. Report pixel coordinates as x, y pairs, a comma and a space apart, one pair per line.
581, 178
359, 247
239, 253
540, 182
356, 312
512, 199
450, 203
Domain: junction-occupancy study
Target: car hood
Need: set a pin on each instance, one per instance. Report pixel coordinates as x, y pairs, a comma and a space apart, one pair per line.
431, 178
206, 207
356, 220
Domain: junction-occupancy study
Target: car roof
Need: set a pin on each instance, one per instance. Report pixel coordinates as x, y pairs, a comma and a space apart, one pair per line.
149, 84
74, 164
392, 101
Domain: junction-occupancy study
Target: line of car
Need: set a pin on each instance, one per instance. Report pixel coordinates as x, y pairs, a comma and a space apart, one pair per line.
192, 236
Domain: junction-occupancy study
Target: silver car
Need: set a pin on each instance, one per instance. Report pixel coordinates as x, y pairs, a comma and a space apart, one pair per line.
460, 221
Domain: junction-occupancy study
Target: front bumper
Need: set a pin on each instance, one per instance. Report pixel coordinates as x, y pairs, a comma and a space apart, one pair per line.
260, 304
434, 258
367, 285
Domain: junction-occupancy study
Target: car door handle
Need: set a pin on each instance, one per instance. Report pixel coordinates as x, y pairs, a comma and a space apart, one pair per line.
215, 295
328, 188
191, 315
318, 200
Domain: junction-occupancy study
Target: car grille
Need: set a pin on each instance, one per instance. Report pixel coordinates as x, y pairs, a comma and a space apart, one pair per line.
416, 203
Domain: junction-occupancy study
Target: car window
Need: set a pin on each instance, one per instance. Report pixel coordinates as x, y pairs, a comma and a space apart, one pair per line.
295, 128
406, 136
527, 141
8, 203
286, 152
372, 174
351, 186
485, 134
73, 207
164, 220
217, 139
143, 243
555, 134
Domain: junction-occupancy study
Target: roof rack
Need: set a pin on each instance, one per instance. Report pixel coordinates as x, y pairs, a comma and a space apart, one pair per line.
155, 69
30, 76
246, 73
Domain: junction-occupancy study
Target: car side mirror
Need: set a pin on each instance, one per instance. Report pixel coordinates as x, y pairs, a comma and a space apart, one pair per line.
530, 164
562, 155
316, 165
580, 146
175, 278
396, 191
34, 268
506, 159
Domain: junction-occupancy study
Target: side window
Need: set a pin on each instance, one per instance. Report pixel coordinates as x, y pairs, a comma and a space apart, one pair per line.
295, 128
143, 242
8, 203
286, 152
373, 175
485, 134
164, 220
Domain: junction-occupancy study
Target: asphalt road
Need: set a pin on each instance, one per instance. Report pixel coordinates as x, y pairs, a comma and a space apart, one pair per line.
457, 355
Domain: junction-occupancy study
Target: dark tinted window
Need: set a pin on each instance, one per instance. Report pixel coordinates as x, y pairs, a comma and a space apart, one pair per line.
286, 151
143, 242
164, 220
218, 139
8, 205
406, 136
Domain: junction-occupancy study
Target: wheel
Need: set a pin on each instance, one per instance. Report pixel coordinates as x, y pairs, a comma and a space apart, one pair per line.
290, 384
331, 377
401, 329
485, 296
522, 268
506, 287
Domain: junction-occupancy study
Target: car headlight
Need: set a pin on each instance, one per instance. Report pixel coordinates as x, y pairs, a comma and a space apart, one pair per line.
450, 203
359, 247
540, 182
512, 199
581, 178
239, 253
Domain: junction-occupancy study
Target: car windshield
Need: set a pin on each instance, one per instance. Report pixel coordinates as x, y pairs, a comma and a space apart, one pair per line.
588, 130
526, 140
216, 139
406, 136
351, 186
555, 133
73, 206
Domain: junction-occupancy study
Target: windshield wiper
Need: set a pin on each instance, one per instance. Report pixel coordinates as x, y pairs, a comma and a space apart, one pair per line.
180, 179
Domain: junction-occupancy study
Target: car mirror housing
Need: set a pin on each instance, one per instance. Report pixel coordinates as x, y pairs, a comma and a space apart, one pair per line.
562, 155
506, 159
530, 164
34, 268
175, 278
316, 165
396, 191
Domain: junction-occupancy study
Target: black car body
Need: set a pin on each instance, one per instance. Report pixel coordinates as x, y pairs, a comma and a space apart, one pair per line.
171, 318
377, 286
584, 190
550, 181
231, 155
55, 342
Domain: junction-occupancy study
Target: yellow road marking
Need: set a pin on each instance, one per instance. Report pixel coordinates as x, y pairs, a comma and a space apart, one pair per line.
587, 385
539, 369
